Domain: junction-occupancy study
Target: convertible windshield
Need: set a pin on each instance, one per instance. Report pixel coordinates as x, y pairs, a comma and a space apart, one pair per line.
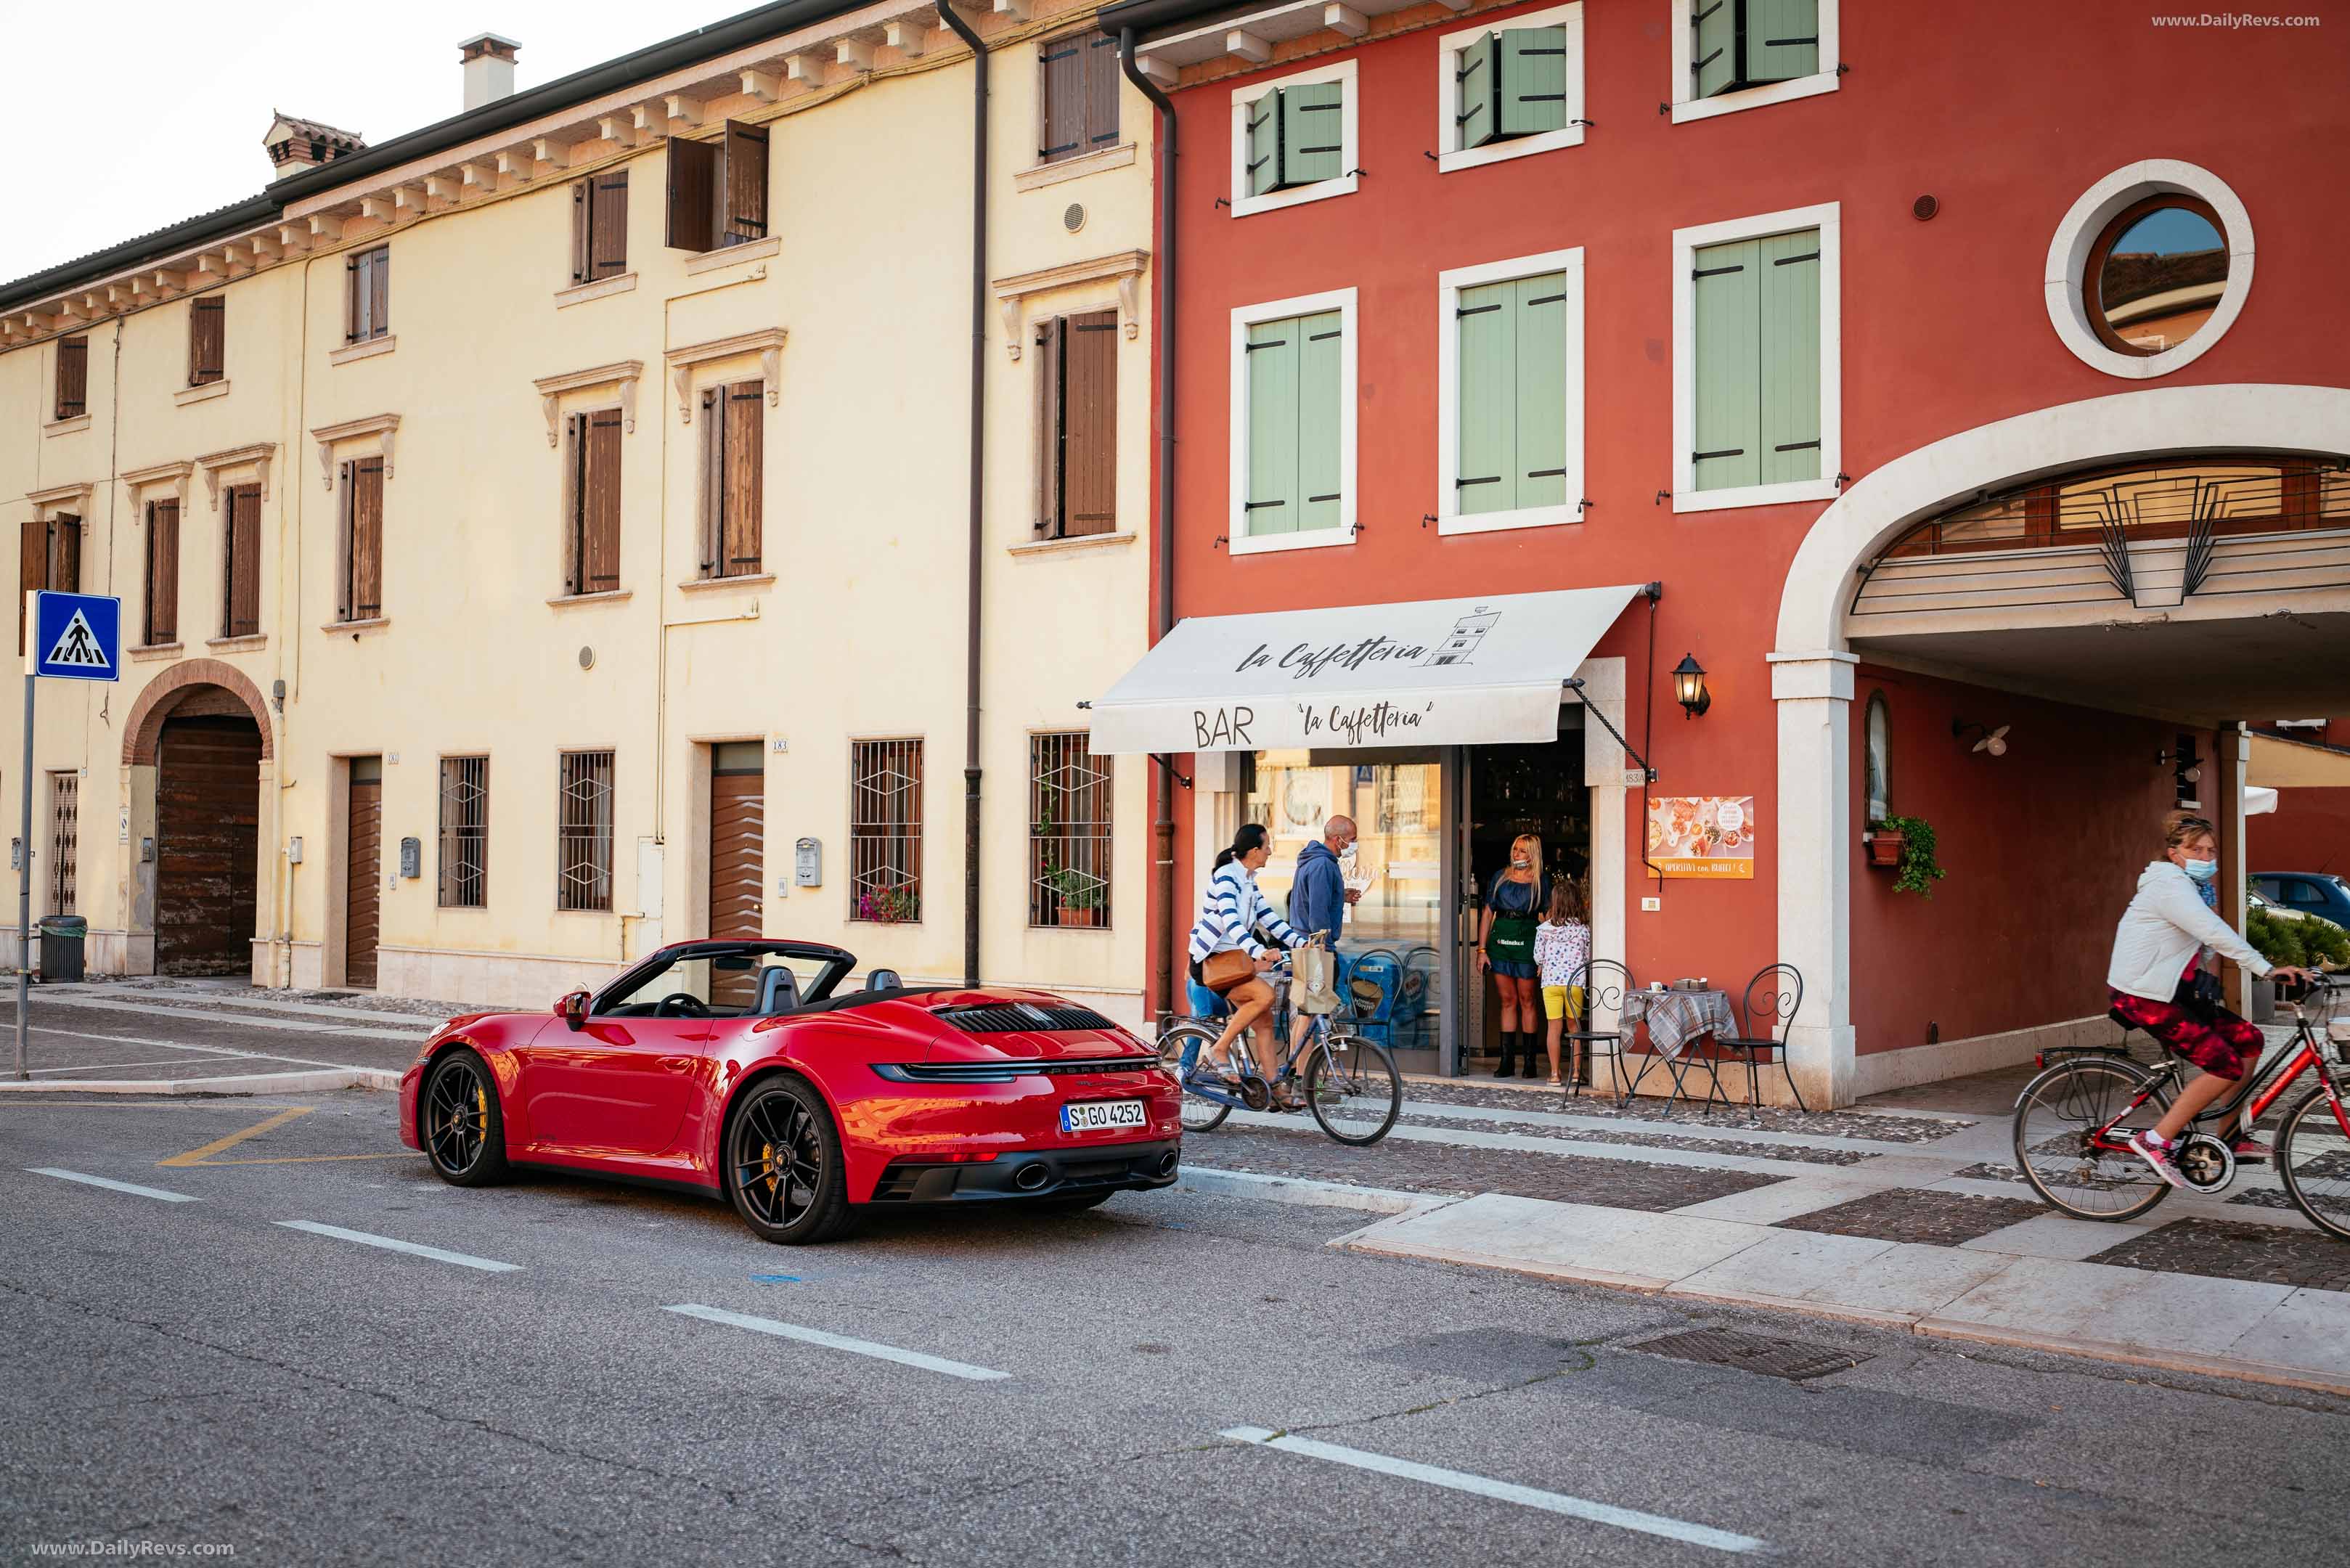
719, 985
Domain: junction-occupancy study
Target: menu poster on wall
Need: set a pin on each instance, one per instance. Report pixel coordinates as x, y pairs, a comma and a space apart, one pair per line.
1705, 836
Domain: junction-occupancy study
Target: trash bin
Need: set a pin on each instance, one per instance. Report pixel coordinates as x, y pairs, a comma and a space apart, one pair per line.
61, 942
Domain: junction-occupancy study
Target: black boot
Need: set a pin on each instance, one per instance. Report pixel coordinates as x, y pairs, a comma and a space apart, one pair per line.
1509, 1053
1533, 1050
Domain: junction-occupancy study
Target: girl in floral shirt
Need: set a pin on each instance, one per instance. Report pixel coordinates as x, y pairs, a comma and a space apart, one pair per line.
1562, 947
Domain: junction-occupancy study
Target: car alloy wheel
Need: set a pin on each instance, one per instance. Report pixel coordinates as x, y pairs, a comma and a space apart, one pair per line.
464, 1129
784, 1164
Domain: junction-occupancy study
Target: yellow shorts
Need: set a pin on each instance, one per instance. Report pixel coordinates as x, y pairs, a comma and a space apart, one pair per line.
1561, 1002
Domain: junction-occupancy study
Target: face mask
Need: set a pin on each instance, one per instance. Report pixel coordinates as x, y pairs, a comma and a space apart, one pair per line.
2202, 870
1519, 861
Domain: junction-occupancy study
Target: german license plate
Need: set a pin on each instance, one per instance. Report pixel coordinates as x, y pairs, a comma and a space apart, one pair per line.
1102, 1116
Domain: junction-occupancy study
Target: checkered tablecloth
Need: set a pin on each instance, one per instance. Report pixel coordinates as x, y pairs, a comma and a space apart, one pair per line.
1677, 1017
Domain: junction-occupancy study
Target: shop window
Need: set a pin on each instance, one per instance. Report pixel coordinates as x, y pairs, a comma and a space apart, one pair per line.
1731, 55
1510, 90
1293, 447
1757, 395
1294, 139
1068, 832
1511, 390
1878, 742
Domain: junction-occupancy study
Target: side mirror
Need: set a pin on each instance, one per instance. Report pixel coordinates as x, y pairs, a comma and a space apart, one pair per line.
573, 1009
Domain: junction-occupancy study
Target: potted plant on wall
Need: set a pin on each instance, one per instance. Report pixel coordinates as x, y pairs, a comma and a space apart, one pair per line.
1078, 895
1906, 844
891, 905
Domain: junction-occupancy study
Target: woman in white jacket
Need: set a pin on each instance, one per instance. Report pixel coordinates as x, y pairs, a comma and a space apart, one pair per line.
1234, 916
2158, 957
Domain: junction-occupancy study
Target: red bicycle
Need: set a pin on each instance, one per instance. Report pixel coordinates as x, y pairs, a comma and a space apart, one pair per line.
2073, 1121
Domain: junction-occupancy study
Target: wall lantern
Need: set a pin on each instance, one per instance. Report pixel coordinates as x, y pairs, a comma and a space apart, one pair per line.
1689, 686
1994, 742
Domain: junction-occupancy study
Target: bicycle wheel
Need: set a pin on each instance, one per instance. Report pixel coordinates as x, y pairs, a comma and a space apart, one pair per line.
2054, 1118
1353, 1088
2313, 1156
1179, 1044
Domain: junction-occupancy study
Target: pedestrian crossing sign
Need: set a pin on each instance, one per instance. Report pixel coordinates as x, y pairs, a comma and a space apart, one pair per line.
76, 636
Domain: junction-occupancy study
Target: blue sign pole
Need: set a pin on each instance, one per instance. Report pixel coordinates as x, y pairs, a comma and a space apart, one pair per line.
69, 636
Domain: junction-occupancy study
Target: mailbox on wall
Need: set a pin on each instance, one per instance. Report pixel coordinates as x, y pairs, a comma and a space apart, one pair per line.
412, 858
807, 863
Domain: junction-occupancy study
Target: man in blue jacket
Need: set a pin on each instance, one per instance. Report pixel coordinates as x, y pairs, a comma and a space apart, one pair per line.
1319, 895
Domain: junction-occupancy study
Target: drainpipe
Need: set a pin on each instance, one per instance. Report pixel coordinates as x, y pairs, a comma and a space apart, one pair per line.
962, 29
1162, 329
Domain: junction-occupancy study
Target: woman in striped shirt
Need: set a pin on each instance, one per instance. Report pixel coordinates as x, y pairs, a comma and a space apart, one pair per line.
1233, 914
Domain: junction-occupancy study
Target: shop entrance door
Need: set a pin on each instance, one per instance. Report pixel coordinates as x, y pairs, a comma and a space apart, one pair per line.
1505, 790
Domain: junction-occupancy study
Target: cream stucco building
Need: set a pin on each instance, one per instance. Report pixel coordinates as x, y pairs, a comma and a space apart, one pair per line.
580, 488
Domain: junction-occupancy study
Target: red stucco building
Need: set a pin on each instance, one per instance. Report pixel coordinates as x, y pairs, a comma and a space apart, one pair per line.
1924, 369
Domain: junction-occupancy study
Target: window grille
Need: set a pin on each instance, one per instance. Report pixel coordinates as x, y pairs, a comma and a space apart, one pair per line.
1068, 832
65, 840
885, 831
464, 832
583, 834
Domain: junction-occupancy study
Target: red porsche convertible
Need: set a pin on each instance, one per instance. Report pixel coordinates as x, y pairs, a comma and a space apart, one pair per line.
742, 1068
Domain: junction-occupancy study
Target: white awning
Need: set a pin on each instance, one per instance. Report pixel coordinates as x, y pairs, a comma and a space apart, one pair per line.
1433, 672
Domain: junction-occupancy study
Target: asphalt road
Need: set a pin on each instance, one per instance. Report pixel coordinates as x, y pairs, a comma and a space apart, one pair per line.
199, 1372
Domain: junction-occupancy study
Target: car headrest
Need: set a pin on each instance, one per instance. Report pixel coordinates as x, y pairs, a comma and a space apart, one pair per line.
779, 991
885, 979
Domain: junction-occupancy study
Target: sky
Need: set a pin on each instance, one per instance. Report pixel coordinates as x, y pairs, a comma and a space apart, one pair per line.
155, 112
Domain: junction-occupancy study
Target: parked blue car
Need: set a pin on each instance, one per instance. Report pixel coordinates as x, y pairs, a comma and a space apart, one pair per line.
2307, 893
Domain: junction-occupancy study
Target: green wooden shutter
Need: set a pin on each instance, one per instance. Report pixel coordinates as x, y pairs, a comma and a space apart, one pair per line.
1790, 356
1486, 318
1271, 505
1714, 46
1312, 133
1782, 39
1728, 435
1533, 80
1477, 71
1542, 389
1320, 484
1265, 144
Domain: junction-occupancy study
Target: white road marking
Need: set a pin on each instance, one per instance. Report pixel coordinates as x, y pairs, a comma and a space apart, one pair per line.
423, 1026
391, 1245
110, 1066
1506, 1491
840, 1342
187, 1045
132, 1188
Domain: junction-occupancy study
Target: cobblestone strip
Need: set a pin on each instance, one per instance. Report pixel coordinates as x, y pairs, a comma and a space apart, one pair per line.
1874, 1127
1915, 1214
1796, 1152
2230, 1249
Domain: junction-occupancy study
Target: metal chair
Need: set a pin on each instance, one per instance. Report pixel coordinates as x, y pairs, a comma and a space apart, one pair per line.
1766, 1013
1603, 983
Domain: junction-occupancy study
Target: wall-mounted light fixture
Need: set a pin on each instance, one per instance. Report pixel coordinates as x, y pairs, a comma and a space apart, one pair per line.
2182, 762
1688, 687
1993, 741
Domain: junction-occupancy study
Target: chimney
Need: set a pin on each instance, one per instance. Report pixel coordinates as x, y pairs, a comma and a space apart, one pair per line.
294, 144
489, 69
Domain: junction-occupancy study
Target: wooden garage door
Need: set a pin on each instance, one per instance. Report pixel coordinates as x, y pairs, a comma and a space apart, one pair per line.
363, 872
207, 838
738, 832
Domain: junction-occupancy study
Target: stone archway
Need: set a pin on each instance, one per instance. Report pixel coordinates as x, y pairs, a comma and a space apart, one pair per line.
196, 750
1812, 666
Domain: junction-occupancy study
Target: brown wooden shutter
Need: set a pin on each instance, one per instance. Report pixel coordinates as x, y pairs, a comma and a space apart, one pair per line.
1064, 99
1101, 93
582, 219
65, 572
343, 528
163, 572
574, 543
241, 609
692, 194
207, 339
599, 534
746, 183
354, 300
73, 378
713, 481
32, 567
1090, 440
607, 238
364, 596
745, 433
1049, 336
380, 298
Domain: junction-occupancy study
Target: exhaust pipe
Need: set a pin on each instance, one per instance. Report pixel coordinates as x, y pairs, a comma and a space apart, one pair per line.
1167, 1163
1031, 1177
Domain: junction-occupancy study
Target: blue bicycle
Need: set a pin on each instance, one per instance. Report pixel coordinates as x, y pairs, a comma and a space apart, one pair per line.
1351, 1084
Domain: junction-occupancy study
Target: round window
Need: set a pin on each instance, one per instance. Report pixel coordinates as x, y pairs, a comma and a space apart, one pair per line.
2156, 275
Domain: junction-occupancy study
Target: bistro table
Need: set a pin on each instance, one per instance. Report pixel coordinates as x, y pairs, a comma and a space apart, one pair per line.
1675, 1018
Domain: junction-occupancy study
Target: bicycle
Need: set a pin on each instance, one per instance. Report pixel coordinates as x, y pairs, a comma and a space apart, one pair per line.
1352, 1086
2074, 1120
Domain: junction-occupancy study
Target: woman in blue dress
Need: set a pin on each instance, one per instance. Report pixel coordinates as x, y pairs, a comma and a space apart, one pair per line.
1514, 900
